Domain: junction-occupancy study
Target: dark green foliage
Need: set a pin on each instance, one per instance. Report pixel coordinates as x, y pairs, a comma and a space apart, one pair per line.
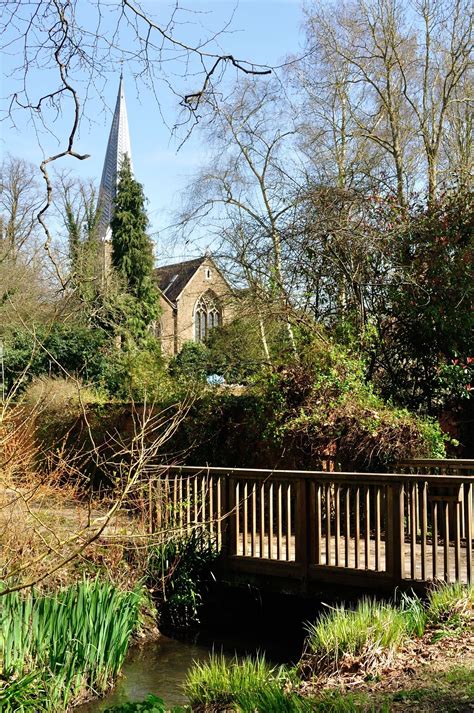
132, 252
179, 570
235, 351
192, 362
429, 319
58, 350
291, 416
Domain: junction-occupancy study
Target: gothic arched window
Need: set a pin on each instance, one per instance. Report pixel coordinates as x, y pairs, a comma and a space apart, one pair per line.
207, 315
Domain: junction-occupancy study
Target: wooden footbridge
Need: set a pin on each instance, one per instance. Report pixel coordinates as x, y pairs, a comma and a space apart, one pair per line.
303, 529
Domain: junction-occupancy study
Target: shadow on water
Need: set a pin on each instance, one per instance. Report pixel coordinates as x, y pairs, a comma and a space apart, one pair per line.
240, 623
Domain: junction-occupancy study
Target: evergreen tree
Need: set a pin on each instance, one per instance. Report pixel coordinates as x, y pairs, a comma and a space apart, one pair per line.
132, 252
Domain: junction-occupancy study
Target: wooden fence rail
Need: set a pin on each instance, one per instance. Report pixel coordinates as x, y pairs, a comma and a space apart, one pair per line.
326, 525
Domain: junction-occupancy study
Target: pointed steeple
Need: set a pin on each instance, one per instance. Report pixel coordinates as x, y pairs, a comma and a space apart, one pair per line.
118, 145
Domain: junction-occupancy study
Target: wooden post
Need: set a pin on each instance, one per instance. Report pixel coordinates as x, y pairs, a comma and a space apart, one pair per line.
395, 532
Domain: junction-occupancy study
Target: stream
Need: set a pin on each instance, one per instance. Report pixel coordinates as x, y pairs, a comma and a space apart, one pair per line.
160, 667
245, 627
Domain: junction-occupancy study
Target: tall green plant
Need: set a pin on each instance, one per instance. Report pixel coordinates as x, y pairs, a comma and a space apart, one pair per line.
132, 252
54, 649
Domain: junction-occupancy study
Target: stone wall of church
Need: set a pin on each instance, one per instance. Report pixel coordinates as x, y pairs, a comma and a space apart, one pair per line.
177, 326
166, 331
206, 278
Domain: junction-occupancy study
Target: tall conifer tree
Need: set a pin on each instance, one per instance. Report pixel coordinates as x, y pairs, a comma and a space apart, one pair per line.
132, 252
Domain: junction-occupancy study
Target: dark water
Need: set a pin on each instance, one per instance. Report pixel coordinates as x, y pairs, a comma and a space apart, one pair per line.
247, 626
159, 667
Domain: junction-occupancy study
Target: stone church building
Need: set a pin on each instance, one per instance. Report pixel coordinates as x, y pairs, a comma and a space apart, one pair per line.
194, 295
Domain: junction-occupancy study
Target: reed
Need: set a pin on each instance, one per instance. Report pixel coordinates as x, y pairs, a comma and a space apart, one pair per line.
56, 649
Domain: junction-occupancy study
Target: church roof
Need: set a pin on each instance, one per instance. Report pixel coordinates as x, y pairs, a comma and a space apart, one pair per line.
173, 278
118, 146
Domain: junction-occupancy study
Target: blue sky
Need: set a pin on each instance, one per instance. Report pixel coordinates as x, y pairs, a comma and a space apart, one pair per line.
263, 31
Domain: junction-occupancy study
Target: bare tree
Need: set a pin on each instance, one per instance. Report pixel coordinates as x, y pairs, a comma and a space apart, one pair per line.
248, 192
20, 199
73, 44
406, 69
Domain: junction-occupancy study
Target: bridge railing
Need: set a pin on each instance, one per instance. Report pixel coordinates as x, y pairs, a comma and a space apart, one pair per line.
324, 525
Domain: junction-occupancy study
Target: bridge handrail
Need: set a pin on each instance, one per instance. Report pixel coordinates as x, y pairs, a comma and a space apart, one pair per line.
324, 475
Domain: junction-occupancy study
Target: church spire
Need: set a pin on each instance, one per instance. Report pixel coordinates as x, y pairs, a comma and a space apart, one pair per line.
118, 145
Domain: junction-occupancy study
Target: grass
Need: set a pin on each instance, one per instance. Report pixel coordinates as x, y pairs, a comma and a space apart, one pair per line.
55, 649
248, 685
367, 631
363, 637
374, 631
449, 605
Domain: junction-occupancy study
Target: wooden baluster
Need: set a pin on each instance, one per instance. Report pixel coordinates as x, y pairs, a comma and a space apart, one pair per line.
245, 523
204, 488
288, 522
413, 532
424, 529
279, 522
211, 505
253, 536
237, 519
319, 536
159, 502
175, 501
367, 527
377, 528
446, 541
434, 527
468, 528
196, 498
311, 528
337, 515
357, 528
150, 507
262, 520
347, 528
457, 541
328, 523
219, 513
188, 503
270, 521
181, 504
167, 501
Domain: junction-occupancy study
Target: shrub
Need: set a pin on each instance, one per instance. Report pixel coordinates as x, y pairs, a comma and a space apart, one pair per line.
192, 362
55, 351
179, 570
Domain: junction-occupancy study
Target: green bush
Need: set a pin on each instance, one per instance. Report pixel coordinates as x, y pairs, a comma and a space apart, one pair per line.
55, 351
178, 571
192, 362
